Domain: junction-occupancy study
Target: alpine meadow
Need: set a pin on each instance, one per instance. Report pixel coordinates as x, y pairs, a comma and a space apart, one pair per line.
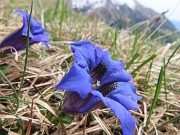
63, 72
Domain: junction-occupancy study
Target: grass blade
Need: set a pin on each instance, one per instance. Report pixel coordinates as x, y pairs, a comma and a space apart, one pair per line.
13, 99
43, 24
27, 49
15, 93
169, 121
165, 86
62, 16
157, 92
116, 51
56, 9
102, 124
147, 76
172, 55
143, 63
132, 60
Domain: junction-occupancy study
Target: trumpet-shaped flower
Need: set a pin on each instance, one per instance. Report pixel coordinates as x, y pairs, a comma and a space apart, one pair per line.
17, 39
95, 81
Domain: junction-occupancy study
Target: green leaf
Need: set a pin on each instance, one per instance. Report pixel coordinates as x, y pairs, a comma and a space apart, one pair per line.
132, 60
12, 87
157, 92
143, 63
169, 121
172, 55
58, 95
66, 119
27, 48
2, 55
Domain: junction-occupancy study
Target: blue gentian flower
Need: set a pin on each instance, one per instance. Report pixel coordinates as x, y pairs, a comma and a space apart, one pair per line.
95, 81
17, 39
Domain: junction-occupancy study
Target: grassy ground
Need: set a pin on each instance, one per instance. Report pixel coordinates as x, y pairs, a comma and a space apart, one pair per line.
154, 66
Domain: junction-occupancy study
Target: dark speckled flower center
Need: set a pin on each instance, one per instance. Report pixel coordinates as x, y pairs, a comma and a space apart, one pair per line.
104, 83
107, 88
98, 72
96, 75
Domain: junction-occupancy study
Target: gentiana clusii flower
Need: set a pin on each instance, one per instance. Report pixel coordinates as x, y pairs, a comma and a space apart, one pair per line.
17, 39
95, 81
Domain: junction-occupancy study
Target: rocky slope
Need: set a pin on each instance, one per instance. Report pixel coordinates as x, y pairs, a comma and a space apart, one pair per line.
120, 13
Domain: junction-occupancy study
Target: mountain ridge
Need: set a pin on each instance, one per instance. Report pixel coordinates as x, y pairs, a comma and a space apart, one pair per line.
120, 13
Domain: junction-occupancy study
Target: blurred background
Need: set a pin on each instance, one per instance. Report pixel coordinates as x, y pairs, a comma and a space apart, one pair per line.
132, 10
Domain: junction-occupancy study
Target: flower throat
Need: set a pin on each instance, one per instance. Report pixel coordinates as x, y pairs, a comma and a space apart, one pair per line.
96, 75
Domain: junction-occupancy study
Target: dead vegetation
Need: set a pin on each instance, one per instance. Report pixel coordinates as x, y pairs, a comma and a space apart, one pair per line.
39, 110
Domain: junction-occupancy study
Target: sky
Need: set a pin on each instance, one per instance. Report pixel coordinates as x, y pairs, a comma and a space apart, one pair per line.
163, 5
160, 6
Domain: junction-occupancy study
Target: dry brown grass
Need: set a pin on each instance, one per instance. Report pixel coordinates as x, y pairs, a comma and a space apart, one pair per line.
40, 109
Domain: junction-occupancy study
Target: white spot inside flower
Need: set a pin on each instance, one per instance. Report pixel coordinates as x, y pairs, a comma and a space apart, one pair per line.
96, 85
